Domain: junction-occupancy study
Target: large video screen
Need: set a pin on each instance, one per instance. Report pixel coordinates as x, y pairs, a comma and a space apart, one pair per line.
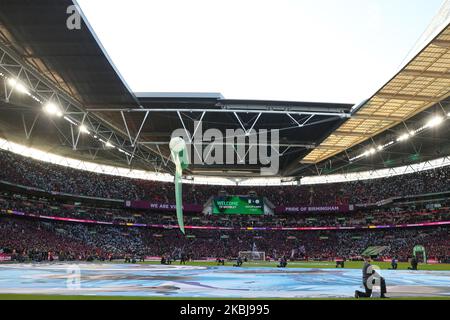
238, 205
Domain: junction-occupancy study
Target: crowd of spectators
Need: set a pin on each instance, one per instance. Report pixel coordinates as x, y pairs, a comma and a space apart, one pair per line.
358, 218
36, 239
26, 238
50, 177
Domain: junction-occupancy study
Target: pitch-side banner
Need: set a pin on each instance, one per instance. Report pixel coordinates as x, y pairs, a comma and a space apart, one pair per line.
141, 204
5, 257
312, 209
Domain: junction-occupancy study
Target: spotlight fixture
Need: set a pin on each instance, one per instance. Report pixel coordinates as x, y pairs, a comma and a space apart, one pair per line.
84, 129
52, 109
370, 152
16, 85
434, 122
108, 144
403, 137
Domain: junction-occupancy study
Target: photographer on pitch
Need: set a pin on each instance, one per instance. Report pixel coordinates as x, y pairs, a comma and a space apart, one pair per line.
370, 276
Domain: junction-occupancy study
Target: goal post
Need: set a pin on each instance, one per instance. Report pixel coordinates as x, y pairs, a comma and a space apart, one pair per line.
253, 255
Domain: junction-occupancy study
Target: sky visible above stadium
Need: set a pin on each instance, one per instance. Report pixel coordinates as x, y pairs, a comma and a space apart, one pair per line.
299, 50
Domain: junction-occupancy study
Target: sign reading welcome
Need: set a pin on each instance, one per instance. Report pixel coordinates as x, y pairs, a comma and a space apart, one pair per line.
238, 205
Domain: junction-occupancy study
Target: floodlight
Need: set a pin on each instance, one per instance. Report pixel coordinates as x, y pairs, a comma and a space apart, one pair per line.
84, 129
53, 109
434, 122
16, 85
108, 144
403, 137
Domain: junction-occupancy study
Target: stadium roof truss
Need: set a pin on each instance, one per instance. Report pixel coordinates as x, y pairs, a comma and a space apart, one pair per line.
41, 90
423, 82
18, 75
48, 63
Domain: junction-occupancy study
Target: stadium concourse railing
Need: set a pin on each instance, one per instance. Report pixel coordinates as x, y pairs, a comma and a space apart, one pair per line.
162, 226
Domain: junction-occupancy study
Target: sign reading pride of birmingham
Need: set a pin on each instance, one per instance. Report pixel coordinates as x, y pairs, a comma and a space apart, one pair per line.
307, 209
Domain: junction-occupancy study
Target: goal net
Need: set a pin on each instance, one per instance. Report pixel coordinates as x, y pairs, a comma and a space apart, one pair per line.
253, 255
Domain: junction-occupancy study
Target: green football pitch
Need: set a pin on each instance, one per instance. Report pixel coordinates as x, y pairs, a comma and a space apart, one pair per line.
321, 265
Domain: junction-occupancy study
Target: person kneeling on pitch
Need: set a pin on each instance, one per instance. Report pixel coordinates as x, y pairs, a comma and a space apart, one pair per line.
414, 264
370, 278
238, 262
340, 263
283, 262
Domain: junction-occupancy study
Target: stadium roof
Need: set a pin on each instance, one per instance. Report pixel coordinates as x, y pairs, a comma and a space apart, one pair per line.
75, 61
70, 67
423, 82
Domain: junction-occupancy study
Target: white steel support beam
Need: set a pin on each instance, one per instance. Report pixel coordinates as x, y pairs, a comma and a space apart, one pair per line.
257, 111
126, 127
79, 132
140, 129
28, 131
42, 90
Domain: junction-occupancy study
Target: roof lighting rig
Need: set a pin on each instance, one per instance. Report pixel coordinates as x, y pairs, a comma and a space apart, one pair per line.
433, 122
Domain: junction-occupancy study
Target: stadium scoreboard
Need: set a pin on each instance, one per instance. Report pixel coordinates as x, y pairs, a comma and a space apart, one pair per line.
238, 205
